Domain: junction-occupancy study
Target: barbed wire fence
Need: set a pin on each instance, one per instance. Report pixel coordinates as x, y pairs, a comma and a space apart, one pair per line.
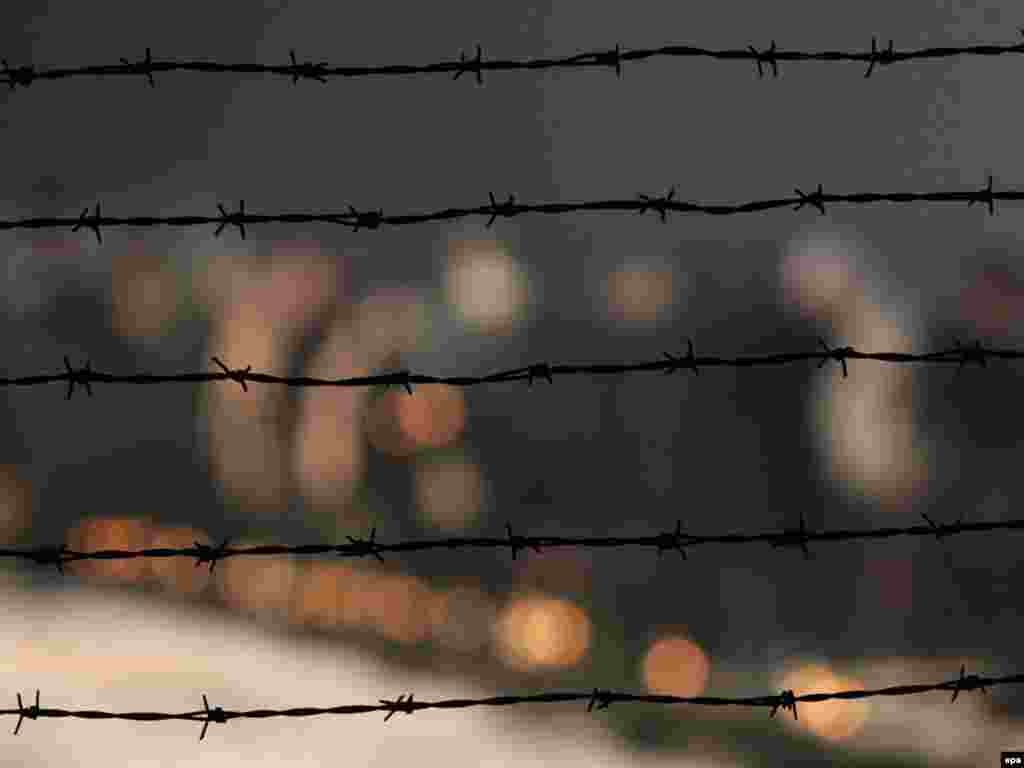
765, 59
675, 540
85, 377
375, 219
768, 59
596, 698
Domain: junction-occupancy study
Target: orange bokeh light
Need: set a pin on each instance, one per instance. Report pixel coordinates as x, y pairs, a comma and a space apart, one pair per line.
675, 665
178, 574
541, 631
833, 720
434, 416
126, 533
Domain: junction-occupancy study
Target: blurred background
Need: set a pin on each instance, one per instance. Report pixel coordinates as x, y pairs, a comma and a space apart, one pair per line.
732, 450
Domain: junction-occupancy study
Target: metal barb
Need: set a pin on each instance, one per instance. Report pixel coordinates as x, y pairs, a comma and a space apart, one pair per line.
815, 199
839, 354
672, 541
238, 375
307, 69
612, 58
236, 219
501, 209
398, 705
768, 55
367, 546
48, 555
795, 538
519, 542
472, 65
366, 219
539, 369
90, 222
985, 196
968, 683
599, 697
787, 700
207, 554
977, 354
659, 204
16, 76
215, 715
77, 377
142, 67
939, 530
31, 712
675, 363
881, 58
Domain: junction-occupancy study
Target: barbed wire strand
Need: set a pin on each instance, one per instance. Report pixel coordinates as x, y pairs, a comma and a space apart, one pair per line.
602, 699
612, 58
675, 540
86, 376
367, 219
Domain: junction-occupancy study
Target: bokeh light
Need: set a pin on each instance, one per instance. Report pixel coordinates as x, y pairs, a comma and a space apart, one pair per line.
539, 631
177, 574
96, 533
259, 585
400, 424
15, 503
487, 288
144, 293
676, 666
819, 275
338, 595
449, 493
867, 422
833, 720
329, 457
639, 295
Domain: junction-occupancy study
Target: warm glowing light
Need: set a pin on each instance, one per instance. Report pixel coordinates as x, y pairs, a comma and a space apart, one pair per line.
819, 275
397, 606
867, 422
144, 294
638, 295
15, 503
485, 285
448, 493
256, 584
178, 574
400, 424
317, 599
97, 533
675, 665
329, 450
833, 720
539, 631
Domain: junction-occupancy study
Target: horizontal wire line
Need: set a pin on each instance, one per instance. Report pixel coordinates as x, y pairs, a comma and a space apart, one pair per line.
613, 58
359, 547
786, 700
375, 219
86, 376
